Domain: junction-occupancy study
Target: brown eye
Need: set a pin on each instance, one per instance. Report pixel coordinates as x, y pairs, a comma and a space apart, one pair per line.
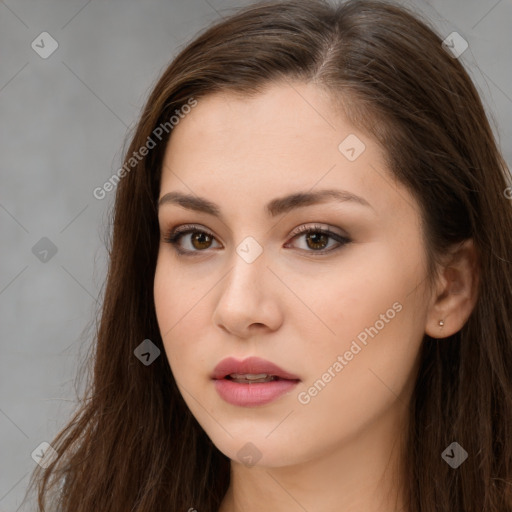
201, 240
318, 240
196, 240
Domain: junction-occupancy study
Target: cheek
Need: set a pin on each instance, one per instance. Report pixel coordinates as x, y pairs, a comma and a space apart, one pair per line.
181, 307
371, 320
172, 300
342, 397
178, 312
349, 297
176, 294
165, 296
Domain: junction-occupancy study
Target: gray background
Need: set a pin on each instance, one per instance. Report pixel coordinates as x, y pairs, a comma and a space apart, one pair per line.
63, 122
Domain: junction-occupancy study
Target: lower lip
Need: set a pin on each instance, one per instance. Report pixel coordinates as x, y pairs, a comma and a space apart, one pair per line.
250, 395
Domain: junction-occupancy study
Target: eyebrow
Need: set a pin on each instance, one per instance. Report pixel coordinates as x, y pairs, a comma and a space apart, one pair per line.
273, 208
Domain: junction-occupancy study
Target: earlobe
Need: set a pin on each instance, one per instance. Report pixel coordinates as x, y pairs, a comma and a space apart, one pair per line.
456, 292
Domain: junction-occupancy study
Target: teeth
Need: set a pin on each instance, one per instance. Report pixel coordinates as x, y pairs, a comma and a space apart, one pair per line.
244, 378
249, 376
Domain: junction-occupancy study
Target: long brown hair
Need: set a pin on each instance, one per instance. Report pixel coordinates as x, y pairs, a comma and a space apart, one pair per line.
133, 445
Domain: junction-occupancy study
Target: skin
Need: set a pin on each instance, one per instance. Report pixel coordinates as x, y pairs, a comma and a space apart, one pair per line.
298, 309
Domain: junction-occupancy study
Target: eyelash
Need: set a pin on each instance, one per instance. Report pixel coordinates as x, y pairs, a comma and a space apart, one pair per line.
173, 237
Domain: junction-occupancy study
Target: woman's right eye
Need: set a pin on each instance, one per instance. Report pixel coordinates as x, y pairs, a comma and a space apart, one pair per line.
198, 242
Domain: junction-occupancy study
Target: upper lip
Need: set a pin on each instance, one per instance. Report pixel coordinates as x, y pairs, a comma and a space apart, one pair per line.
251, 365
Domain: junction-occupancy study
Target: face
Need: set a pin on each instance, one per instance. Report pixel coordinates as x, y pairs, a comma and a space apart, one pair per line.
342, 308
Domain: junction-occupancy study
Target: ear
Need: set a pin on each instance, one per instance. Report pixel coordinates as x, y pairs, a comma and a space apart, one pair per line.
456, 292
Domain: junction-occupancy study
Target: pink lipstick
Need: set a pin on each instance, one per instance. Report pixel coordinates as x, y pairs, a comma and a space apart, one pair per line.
251, 382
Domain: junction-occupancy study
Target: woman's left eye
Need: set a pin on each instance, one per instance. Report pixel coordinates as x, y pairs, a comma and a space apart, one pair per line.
315, 237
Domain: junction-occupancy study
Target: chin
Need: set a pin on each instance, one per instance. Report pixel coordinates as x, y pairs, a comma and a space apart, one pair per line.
256, 451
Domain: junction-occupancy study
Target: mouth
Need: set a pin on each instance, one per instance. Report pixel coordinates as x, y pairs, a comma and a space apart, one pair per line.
248, 378
250, 370
251, 382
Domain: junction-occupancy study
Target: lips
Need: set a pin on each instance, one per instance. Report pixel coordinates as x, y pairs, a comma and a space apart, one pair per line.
252, 366
252, 382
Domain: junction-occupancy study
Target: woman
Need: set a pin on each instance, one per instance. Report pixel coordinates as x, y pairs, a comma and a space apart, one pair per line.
309, 293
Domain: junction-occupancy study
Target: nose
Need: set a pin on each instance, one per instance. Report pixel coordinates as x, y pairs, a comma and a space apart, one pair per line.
248, 300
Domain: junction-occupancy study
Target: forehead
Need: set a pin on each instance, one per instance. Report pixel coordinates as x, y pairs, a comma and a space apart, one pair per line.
245, 150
